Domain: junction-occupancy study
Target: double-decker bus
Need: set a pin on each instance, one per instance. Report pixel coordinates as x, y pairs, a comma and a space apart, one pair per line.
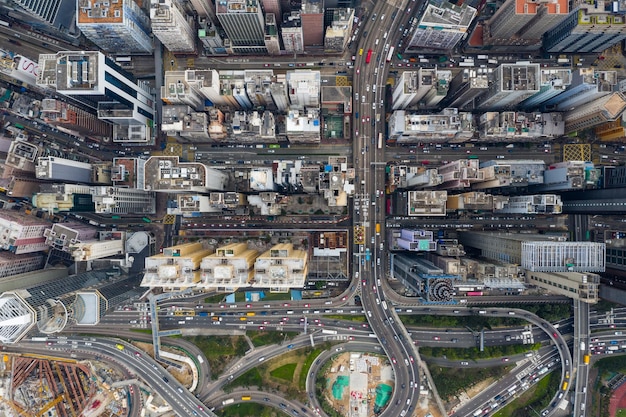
368, 58
390, 54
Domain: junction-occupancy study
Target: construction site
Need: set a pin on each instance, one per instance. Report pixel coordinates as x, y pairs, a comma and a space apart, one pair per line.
42, 386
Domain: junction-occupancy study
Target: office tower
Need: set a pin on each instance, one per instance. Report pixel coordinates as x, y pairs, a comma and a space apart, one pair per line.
448, 125
95, 80
304, 88
442, 26
542, 256
211, 40
524, 21
117, 200
413, 86
168, 174
61, 169
312, 15
532, 204
115, 26
172, 26
272, 38
46, 10
204, 9
591, 27
466, 86
603, 109
62, 236
177, 267
513, 83
439, 91
587, 84
281, 268
229, 268
553, 82
273, 7
181, 120
292, 32
339, 31
22, 234
12, 264
51, 299
244, 24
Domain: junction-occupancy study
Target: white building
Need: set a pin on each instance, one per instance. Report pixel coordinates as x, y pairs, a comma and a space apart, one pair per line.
303, 87
229, 268
513, 83
22, 234
442, 25
533, 204
449, 125
61, 169
303, 126
118, 200
281, 268
98, 249
95, 80
177, 267
171, 25
563, 256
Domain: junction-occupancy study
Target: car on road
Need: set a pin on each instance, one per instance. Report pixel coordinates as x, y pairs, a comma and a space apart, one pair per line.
505, 359
393, 359
436, 338
464, 363
358, 70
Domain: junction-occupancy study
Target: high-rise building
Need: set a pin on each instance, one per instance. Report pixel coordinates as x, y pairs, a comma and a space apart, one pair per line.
304, 88
312, 15
504, 247
603, 109
422, 277
543, 256
532, 204
553, 82
445, 126
273, 7
61, 169
64, 235
442, 26
117, 200
591, 27
339, 31
177, 90
281, 268
513, 83
177, 267
292, 32
210, 37
467, 85
587, 84
172, 26
22, 234
417, 240
244, 25
12, 264
168, 174
524, 21
229, 268
272, 38
115, 26
61, 113
95, 80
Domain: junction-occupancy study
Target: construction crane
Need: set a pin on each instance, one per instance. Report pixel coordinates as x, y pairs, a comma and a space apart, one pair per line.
49, 405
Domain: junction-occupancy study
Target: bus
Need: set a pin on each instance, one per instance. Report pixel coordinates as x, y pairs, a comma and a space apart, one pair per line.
245, 398
361, 52
274, 146
368, 58
115, 217
473, 157
380, 140
19, 126
120, 347
474, 293
390, 54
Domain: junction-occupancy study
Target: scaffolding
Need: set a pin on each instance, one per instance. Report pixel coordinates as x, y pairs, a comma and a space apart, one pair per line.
563, 256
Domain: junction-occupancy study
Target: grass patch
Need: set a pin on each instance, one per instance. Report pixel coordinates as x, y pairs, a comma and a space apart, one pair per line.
615, 363
451, 381
306, 366
262, 338
248, 409
251, 378
285, 372
219, 350
537, 397
214, 299
475, 353
240, 296
356, 317
621, 412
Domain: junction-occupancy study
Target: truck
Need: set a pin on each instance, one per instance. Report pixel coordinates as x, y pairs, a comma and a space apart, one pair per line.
613, 348
586, 359
384, 304
582, 345
377, 229
203, 314
564, 386
326, 331
228, 401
